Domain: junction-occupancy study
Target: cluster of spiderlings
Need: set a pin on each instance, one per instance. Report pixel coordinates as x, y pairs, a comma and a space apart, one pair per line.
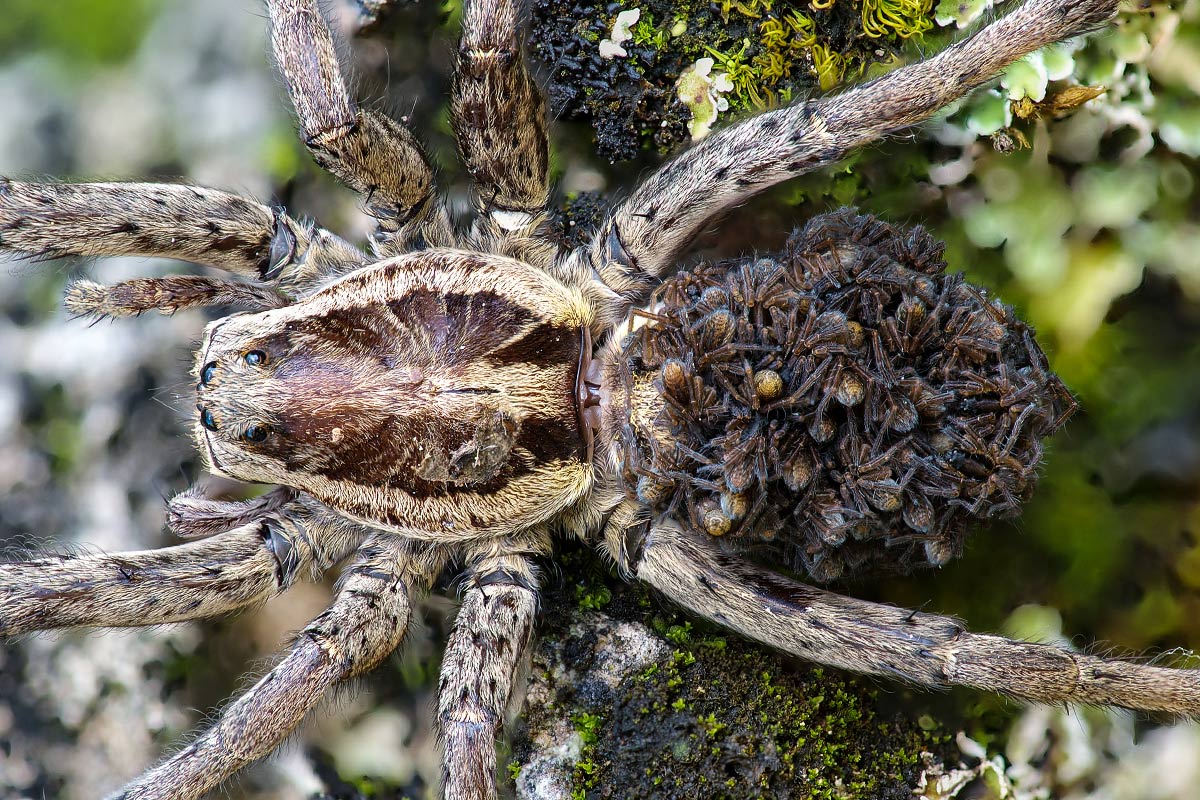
845, 400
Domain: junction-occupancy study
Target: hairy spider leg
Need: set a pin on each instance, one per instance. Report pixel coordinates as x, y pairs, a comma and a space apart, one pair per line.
281, 257
499, 117
488, 645
370, 152
876, 639
363, 625
243, 565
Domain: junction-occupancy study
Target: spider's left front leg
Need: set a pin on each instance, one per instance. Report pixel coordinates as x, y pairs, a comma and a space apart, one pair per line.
491, 635
499, 117
368, 151
362, 627
280, 258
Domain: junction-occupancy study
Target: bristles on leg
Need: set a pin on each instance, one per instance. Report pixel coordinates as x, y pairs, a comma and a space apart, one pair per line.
166, 295
191, 514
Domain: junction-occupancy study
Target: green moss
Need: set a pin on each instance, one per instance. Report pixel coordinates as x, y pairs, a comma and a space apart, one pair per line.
803, 733
646, 34
593, 597
588, 727
678, 633
719, 717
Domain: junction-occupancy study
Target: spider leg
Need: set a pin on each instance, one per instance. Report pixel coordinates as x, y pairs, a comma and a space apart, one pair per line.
490, 638
204, 226
248, 562
499, 116
363, 625
370, 152
878, 639
642, 238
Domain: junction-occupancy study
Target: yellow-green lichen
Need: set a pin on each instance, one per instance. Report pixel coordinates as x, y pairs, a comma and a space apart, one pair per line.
902, 18
768, 52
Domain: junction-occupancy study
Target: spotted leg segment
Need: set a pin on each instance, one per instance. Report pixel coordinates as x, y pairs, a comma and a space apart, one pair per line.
255, 555
370, 152
364, 624
281, 257
486, 649
876, 639
499, 116
642, 239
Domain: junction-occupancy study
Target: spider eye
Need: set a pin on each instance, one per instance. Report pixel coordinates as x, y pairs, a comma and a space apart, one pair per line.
256, 433
206, 419
255, 358
206, 374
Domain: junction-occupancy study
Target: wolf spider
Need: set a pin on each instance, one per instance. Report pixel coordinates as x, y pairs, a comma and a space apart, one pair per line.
461, 397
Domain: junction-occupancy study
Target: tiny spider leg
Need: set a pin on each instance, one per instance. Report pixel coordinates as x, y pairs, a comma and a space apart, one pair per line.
876, 639
488, 646
279, 255
240, 566
370, 152
499, 117
642, 239
363, 625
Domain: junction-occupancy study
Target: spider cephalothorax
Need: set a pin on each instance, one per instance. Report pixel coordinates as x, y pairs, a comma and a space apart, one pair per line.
464, 395
431, 391
845, 400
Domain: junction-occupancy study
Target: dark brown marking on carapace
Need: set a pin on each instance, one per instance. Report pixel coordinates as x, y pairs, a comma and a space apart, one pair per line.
431, 329
454, 327
586, 394
550, 439
546, 344
416, 453
462, 327
356, 332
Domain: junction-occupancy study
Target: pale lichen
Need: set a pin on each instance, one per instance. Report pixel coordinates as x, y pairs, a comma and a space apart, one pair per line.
701, 90
622, 31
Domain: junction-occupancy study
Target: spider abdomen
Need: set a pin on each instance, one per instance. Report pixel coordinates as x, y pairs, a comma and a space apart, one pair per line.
846, 400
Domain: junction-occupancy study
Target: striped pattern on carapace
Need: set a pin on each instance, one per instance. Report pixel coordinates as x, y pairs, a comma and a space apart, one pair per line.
431, 390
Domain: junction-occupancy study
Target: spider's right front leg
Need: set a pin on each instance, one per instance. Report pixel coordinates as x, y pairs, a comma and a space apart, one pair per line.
641, 241
370, 152
279, 255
